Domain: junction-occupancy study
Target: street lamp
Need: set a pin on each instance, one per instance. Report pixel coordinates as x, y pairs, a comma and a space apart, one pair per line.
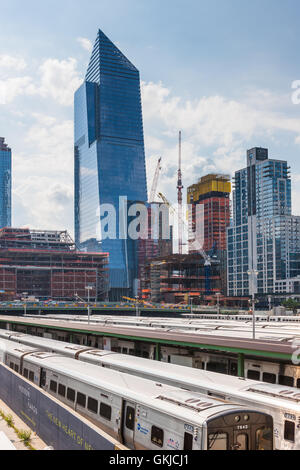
137, 306
270, 304
218, 295
252, 274
89, 288
25, 302
192, 300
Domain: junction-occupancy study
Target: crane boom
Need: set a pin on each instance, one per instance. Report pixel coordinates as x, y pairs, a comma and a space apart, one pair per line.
155, 181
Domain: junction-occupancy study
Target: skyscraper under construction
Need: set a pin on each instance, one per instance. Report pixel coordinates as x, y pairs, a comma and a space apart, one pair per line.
211, 195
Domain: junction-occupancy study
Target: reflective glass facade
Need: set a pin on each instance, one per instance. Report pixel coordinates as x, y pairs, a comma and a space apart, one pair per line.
109, 155
5, 184
264, 236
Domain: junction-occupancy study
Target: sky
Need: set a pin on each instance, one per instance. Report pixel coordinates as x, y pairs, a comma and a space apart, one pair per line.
221, 71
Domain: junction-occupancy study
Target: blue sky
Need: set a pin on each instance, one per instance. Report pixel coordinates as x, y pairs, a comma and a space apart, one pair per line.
220, 70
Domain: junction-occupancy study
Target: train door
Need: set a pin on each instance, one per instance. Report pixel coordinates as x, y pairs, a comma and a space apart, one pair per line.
129, 424
241, 440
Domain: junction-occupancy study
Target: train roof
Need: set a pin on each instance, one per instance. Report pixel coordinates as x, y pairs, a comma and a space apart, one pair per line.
272, 394
17, 349
163, 398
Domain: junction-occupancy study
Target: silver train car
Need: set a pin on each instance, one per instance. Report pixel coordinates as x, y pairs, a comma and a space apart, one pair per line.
142, 414
255, 369
283, 403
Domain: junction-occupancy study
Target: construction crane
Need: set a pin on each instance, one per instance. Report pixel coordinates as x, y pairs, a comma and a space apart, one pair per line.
179, 198
198, 247
155, 181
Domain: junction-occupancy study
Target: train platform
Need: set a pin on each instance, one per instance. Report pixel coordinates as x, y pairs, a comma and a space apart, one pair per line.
9, 439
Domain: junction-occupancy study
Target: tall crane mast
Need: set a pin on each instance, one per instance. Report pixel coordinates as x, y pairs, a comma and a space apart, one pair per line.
155, 181
179, 194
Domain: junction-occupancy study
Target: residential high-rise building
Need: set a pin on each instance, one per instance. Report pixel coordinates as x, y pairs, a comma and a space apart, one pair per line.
109, 159
212, 193
264, 240
5, 184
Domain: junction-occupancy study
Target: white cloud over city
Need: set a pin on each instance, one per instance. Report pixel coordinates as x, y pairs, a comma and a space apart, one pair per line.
216, 134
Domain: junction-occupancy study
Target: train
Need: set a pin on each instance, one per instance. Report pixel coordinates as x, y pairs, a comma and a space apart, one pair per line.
140, 413
265, 370
282, 403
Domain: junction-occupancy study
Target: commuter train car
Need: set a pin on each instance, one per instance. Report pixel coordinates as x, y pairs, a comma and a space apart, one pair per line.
143, 414
281, 402
262, 370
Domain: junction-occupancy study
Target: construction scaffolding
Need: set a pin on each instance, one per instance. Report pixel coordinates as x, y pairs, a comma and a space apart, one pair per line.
176, 278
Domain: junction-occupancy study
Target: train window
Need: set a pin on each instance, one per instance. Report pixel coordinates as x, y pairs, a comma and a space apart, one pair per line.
25, 373
217, 367
31, 376
92, 405
269, 378
286, 380
264, 439
11, 365
218, 441
242, 442
16, 368
71, 394
105, 411
188, 441
130, 415
53, 386
157, 436
289, 431
253, 374
61, 390
81, 399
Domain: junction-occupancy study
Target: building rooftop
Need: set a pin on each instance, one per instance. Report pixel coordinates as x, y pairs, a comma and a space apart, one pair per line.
3, 146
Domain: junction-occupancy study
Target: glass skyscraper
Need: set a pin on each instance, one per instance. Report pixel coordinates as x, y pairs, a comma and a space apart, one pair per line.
109, 158
5, 184
264, 239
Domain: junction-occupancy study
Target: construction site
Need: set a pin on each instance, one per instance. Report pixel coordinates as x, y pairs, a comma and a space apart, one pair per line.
199, 276
46, 265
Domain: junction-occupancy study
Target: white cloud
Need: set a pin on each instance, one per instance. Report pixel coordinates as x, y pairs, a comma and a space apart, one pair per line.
43, 176
216, 131
10, 62
85, 44
59, 80
11, 88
